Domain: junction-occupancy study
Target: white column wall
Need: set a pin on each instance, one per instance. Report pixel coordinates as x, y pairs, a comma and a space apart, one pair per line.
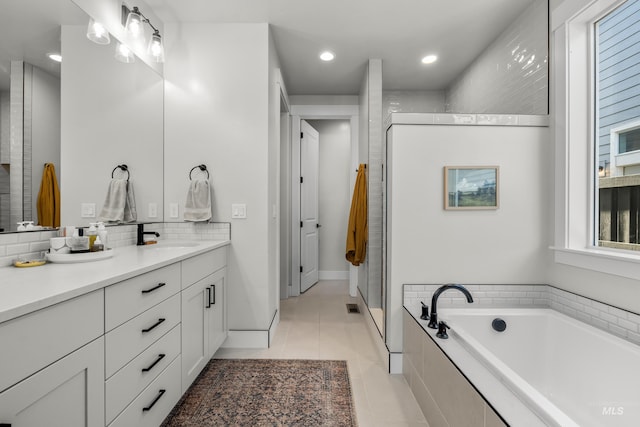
216, 112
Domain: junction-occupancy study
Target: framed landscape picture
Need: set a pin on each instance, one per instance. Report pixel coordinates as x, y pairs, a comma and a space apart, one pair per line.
471, 187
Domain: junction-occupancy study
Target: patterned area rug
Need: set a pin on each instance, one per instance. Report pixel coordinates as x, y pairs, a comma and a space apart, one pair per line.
269, 392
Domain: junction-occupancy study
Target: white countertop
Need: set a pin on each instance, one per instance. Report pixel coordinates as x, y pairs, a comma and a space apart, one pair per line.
24, 290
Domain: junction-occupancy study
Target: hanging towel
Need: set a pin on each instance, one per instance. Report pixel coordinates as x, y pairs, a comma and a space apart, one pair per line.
48, 203
119, 205
357, 232
198, 204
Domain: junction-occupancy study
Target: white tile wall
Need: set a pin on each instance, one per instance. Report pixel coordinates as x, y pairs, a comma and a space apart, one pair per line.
510, 76
622, 323
31, 244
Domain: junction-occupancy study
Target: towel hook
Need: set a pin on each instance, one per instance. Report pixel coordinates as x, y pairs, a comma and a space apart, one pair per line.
203, 168
122, 167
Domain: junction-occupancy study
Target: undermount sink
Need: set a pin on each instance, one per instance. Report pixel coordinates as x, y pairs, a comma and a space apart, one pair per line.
168, 244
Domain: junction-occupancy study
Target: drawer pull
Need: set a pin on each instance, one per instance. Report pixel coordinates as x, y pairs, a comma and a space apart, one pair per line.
213, 294
160, 357
150, 328
148, 408
159, 285
208, 297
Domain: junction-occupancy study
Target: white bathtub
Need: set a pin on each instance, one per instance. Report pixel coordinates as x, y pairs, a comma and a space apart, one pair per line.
565, 371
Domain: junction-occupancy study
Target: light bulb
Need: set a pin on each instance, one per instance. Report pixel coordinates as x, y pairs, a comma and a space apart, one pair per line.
124, 54
156, 49
97, 33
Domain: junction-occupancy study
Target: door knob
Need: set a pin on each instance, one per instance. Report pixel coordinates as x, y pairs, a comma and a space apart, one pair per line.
318, 225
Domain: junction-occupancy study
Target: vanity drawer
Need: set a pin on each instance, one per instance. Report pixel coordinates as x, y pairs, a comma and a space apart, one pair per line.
158, 399
200, 266
125, 384
35, 340
128, 298
128, 340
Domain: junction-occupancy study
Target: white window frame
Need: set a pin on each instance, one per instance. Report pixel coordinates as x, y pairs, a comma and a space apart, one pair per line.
573, 108
618, 161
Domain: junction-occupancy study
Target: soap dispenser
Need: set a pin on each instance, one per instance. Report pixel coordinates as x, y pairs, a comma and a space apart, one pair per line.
21, 226
97, 245
102, 233
92, 233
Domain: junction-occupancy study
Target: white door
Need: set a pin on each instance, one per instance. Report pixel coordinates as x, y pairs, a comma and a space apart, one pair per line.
309, 153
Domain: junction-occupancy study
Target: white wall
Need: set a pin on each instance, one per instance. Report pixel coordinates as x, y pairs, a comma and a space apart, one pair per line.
510, 76
111, 114
334, 195
363, 156
217, 100
412, 101
430, 245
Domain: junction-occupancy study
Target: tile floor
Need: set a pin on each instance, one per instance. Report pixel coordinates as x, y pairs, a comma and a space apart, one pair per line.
316, 325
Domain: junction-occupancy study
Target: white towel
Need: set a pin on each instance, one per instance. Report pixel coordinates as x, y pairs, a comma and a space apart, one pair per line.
119, 205
198, 204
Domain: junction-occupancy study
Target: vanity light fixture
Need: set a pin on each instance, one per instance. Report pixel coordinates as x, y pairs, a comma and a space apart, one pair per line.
429, 59
327, 56
134, 26
97, 33
124, 54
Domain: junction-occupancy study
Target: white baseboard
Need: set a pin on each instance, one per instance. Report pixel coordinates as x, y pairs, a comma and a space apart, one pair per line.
274, 326
247, 339
333, 275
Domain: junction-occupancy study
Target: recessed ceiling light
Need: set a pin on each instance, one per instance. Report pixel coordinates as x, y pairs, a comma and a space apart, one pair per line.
327, 56
55, 57
429, 59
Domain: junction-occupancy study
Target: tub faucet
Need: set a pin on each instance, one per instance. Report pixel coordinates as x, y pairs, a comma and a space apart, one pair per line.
141, 234
433, 320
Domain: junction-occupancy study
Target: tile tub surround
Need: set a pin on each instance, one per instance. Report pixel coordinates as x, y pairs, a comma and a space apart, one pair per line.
33, 243
622, 323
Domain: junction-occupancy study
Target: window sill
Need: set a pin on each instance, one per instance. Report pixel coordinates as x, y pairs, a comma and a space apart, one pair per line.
608, 261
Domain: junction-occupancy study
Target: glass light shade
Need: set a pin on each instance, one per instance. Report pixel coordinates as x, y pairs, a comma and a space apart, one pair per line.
135, 25
97, 33
156, 49
124, 54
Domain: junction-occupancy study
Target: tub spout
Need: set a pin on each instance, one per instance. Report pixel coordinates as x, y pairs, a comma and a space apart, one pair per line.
433, 319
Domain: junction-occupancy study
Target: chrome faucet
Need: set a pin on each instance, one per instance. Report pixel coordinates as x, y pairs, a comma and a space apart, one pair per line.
433, 320
141, 234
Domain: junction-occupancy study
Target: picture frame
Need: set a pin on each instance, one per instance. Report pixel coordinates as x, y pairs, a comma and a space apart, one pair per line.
471, 187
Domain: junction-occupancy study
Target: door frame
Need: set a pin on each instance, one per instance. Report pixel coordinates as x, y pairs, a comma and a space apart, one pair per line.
317, 112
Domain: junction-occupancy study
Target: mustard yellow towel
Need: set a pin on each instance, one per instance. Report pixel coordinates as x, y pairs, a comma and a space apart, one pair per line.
357, 232
48, 203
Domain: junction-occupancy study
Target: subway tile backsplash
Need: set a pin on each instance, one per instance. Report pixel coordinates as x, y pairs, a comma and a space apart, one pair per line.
31, 244
616, 321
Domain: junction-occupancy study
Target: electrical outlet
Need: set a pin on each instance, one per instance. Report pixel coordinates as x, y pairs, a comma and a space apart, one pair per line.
174, 210
239, 211
88, 210
153, 210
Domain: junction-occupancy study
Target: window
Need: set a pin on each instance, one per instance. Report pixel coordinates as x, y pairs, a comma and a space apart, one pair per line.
617, 127
585, 153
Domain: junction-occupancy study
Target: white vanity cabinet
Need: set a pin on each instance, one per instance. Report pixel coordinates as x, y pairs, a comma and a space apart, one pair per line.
142, 318
52, 365
204, 326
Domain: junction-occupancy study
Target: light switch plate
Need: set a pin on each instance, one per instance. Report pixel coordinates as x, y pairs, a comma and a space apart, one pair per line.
153, 210
239, 210
88, 210
174, 210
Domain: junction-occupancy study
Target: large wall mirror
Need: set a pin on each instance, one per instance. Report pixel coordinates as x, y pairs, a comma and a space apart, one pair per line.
85, 116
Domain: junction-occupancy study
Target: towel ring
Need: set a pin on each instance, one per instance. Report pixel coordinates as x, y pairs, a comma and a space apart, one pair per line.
203, 168
124, 168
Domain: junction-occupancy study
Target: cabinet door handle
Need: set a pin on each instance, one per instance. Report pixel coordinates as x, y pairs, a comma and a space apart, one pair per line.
159, 285
150, 328
213, 294
208, 297
160, 357
148, 408
5, 425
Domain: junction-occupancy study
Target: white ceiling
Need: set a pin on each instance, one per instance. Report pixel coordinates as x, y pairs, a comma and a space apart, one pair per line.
400, 32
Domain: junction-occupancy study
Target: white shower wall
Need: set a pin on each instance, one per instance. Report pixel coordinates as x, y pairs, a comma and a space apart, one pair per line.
510, 76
